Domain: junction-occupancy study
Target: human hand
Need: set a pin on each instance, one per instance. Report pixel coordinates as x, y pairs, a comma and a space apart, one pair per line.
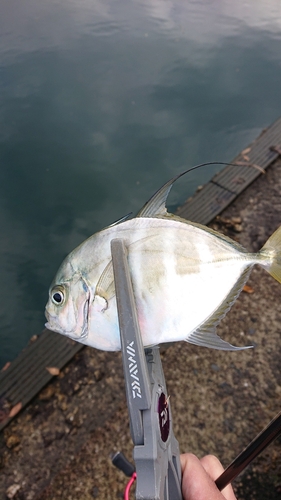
198, 478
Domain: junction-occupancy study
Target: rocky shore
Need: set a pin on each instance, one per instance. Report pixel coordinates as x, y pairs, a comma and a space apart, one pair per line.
59, 447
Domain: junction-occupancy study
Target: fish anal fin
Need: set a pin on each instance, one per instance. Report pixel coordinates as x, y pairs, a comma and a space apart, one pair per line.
205, 334
105, 287
210, 339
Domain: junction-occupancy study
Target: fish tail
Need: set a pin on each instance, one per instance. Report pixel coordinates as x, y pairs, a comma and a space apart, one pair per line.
271, 255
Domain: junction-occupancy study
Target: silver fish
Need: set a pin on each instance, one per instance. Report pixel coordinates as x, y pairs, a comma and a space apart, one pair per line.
185, 278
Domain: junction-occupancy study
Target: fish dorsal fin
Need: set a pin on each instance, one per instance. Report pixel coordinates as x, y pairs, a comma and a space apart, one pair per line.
118, 221
205, 335
156, 205
105, 286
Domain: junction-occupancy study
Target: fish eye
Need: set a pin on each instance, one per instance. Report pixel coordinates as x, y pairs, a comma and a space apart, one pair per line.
58, 297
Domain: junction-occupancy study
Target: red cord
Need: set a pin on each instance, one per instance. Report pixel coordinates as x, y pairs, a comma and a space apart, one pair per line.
128, 487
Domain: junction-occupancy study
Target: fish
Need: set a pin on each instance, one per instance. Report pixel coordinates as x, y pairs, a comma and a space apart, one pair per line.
185, 278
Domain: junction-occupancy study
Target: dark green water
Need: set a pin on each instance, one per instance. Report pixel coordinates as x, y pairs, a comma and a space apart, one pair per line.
103, 101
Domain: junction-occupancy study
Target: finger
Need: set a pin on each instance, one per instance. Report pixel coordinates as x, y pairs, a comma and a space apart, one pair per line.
214, 468
196, 482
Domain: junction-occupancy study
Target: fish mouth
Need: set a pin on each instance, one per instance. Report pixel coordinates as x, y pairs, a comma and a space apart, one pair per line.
54, 327
53, 324
48, 326
69, 334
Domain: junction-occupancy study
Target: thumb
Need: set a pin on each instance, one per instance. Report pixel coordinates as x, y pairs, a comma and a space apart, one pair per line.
197, 483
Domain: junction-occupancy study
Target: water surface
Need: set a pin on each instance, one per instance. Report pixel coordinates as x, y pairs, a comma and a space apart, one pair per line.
101, 102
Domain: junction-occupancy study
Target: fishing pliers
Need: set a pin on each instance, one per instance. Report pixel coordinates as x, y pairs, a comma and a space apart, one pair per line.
156, 450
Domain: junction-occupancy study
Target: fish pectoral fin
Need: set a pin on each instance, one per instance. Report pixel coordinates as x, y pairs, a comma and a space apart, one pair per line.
209, 338
105, 287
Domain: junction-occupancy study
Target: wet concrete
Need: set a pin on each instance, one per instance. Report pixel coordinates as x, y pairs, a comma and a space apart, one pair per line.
59, 447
